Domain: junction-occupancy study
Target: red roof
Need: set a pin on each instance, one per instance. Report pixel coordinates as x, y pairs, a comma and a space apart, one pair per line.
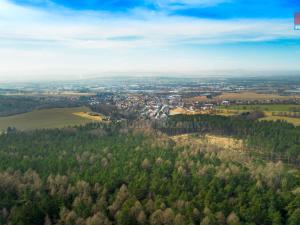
297, 19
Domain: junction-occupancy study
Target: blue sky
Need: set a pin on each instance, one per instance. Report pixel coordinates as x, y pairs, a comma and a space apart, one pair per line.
66, 39
217, 9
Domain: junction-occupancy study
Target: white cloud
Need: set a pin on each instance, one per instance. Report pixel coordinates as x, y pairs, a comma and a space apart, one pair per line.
182, 4
36, 40
87, 30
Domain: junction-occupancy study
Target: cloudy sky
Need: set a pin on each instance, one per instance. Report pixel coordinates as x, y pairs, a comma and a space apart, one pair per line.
65, 39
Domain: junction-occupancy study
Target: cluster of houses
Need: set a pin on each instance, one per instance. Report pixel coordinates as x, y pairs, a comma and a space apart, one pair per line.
153, 106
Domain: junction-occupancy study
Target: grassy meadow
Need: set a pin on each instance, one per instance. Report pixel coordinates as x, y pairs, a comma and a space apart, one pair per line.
46, 118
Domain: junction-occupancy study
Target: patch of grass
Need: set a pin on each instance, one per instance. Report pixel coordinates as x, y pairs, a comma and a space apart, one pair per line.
228, 143
227, 112
184, 111
222, 142
89, 115
45, 118
177, 111
295, 121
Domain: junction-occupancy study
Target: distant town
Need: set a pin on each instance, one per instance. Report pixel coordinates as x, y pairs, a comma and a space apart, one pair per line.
160, 97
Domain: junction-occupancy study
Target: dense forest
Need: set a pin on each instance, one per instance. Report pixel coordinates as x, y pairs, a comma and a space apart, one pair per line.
108, 174
274, 138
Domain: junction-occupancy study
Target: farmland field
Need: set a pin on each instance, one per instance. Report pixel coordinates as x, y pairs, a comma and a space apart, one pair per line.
45, 118
251, 96
53, 94
241, 96
264, 107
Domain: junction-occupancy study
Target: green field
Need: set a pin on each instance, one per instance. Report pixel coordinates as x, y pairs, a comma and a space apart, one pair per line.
45, 118
268, 110
264, 107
